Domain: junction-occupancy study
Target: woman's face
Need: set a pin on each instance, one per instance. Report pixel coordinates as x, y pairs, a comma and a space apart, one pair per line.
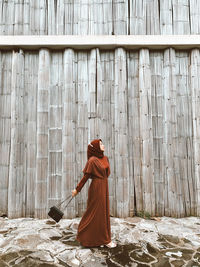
101, 146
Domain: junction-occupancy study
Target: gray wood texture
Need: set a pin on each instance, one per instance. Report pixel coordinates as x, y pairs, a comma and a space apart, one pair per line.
143, 104
80, 17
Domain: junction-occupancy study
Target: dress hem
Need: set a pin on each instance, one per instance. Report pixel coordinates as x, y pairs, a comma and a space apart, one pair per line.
93, 245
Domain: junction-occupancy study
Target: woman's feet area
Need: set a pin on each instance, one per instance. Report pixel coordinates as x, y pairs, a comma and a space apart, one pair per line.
110, 245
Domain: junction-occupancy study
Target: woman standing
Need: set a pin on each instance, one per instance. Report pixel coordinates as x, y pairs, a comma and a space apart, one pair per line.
94, 228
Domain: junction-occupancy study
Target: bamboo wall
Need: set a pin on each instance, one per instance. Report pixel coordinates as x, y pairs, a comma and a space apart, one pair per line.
143, 104
80, 17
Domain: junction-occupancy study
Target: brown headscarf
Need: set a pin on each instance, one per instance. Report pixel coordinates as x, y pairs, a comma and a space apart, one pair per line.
94, 149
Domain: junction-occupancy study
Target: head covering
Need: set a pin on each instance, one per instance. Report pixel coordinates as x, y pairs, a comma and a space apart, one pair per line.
94, 149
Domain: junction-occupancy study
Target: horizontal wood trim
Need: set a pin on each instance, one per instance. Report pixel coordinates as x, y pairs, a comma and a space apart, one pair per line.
34, 42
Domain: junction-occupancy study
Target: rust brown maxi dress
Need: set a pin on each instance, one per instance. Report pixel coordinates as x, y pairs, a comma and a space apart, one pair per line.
94, 228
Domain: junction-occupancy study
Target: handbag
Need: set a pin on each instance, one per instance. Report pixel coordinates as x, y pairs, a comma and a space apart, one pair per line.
55, 213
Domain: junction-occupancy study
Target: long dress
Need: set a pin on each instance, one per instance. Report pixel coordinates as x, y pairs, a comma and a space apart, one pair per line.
94, 228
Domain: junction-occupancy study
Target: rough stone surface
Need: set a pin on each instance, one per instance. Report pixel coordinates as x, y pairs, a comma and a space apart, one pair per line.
156, 242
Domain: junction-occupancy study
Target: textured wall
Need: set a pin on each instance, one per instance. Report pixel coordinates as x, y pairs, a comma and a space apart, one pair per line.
99, 17
143, 104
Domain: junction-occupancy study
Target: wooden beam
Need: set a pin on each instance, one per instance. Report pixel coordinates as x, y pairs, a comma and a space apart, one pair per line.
33, 42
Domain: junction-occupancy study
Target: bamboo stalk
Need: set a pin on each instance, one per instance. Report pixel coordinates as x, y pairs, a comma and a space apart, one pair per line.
121, 134
16, 193
195, 90
42, 162
69, 164
146, 135
156, 62
5, 110
55, 130
30, 105
82, 139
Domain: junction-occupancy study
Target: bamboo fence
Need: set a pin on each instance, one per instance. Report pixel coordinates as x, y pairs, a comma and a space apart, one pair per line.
97, 17
143, 104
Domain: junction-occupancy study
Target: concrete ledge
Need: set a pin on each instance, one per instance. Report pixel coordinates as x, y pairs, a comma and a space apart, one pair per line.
35, 42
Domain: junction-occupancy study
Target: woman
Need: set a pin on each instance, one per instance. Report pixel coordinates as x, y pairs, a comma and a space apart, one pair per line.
94, 228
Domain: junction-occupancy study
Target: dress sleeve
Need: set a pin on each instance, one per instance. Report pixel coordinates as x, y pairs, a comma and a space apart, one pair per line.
82, 182
88, 170
89, 167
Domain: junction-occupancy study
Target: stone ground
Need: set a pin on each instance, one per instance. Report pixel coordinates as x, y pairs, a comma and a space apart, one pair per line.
141, 242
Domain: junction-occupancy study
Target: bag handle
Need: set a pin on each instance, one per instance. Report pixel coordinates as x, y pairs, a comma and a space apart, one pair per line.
65, 200
68, 203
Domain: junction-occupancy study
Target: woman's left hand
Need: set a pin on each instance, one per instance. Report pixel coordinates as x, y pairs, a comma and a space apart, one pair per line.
74, 192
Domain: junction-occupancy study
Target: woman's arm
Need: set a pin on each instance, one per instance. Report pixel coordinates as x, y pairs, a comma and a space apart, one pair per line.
82, 182
87, 173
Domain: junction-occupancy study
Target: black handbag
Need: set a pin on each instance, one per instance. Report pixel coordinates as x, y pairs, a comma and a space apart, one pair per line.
55, 213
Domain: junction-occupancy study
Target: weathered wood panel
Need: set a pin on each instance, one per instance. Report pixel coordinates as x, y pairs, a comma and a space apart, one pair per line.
145, 107
42, 158
16, 178
195, 104
5, 126
105, 114
146, 136
30, 120
135, 190
80, 17
121, 135
156, 62
55, 130
69, 151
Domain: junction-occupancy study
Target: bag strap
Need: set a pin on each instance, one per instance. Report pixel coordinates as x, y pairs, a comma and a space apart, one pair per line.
68, 203
64, 200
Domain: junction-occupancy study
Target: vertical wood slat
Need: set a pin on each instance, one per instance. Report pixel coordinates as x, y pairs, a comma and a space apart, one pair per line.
18, 18
194, 6
105, 122
105, 113
169, 140
156, 64
52, 14
54, 191
42, 162
174, 204
98, 98
152, 17
61, 16
43, 18
82, 123
68, 14
166, 20
137, 17
195, 90
120, 17
121, 135
101, 13
146, 141
5, 126
17, 181
30, 105
69, 165
184, 128
134, 127
26, 18
81, 15
135, 195
92, 95
181, 20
